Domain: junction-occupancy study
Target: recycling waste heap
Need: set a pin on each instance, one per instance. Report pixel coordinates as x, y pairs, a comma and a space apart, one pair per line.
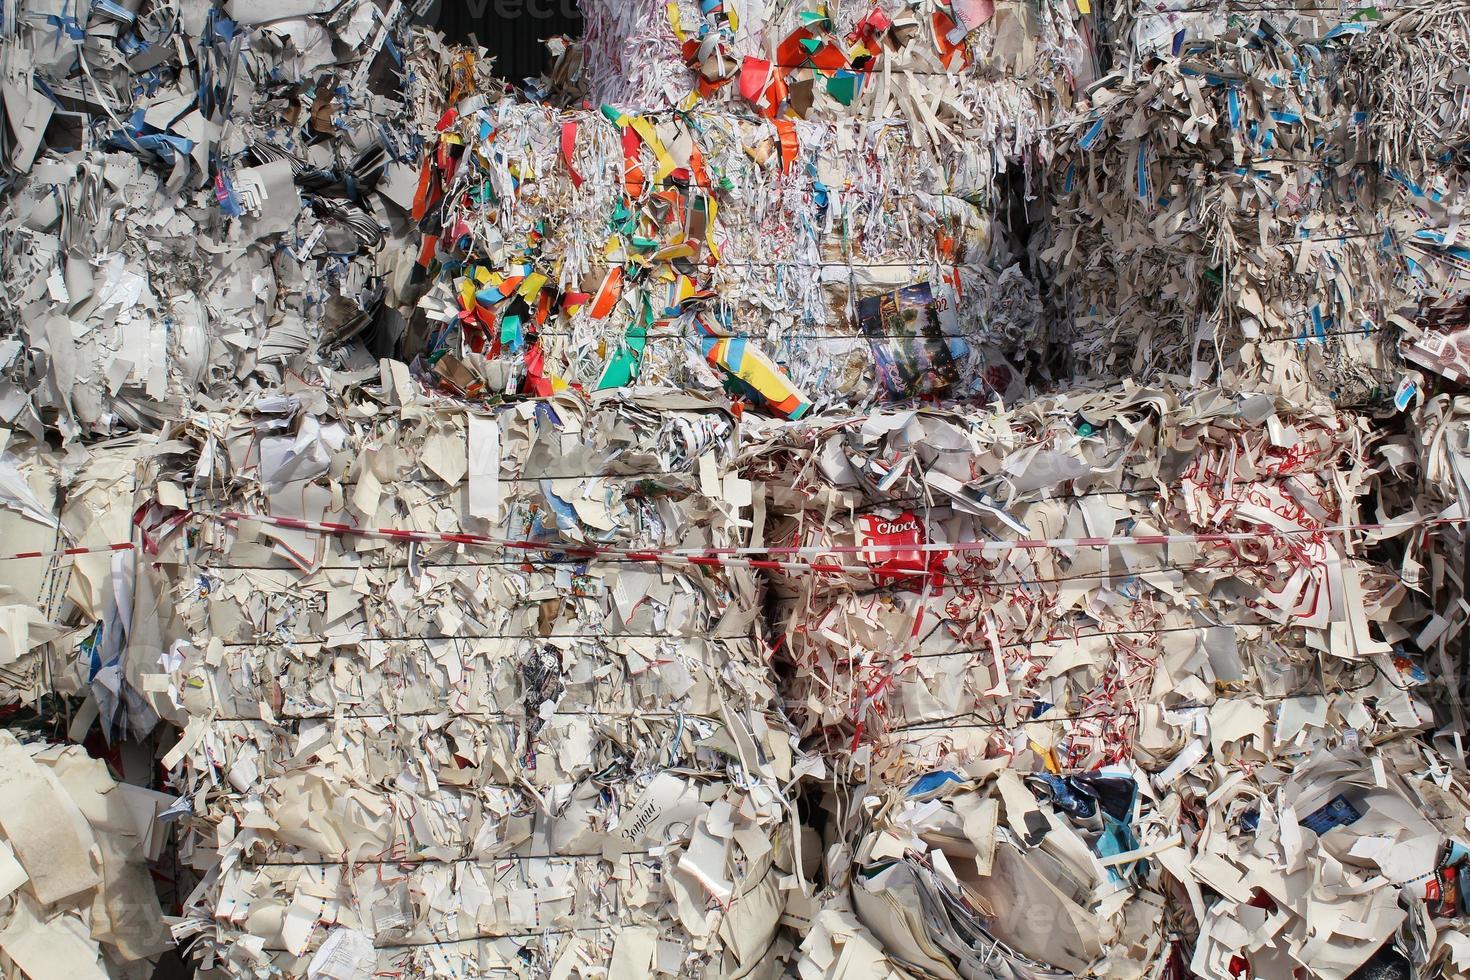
438, 761
856, 489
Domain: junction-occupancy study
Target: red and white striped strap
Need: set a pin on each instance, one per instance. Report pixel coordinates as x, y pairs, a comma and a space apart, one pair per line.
987, 547
69, 552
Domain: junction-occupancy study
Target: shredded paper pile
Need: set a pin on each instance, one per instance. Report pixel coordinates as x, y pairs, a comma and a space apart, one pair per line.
835, 489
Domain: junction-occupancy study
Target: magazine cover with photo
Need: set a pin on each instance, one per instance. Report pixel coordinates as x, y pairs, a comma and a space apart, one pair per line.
910, 332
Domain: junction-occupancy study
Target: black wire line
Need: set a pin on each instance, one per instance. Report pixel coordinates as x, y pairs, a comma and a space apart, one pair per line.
939, 724
492, 636
570, 930
428, 861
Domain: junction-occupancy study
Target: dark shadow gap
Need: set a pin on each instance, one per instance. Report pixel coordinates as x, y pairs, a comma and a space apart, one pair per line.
513, 31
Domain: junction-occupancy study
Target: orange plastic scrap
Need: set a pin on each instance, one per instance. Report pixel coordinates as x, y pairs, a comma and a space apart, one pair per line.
608, 294
792, 55
699, 174
763, 87
428, 250
948, 50
753, 75
633, 179
425, 195
790, 146
568, 146
829, 58
776, 96
536, 382
946, 244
